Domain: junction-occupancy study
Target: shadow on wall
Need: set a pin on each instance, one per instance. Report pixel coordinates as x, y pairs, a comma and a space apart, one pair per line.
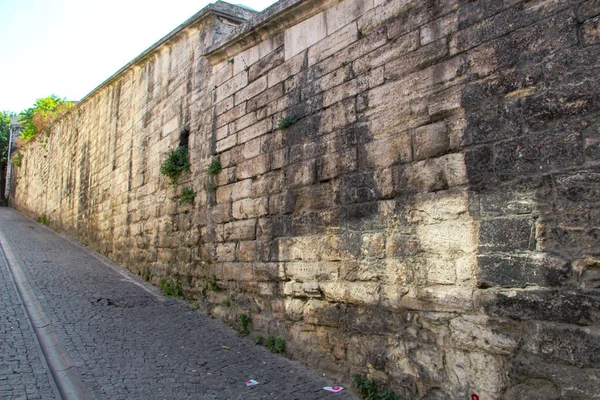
535, 185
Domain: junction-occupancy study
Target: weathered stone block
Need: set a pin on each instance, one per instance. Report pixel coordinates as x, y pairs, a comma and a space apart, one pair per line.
383, 12
373, 245
231, 86
539, 152
589, 9
302, 289
439, 28
249, 208
364, 82
507, 234
231, 115
521, 270
251, 90
265, 64
305, 34
420, 58
382, 153
253, 167
333, 165
332, 44
256, 130
549, 305
311, 271
438, 173
268, 272
591, 31
343, 13
284, 71
225, 252
445, 102
394, 50
430, 141
270, 100
238, 230
476, 372
237, 272
300, 174
322, 313
227, 143
247, 251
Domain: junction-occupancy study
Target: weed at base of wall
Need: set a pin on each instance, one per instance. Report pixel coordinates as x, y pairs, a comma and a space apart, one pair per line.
275, 344
147, 274
171, 288
368, 390
43, 220
243, 319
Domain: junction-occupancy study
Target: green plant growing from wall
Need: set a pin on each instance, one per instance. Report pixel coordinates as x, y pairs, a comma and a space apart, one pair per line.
275, 344
243, 319
147, 274
211, 187
215, 166
287, 121
259, 340
211, 284
43, 220
176, 162
368, 390
171, 288
187, 196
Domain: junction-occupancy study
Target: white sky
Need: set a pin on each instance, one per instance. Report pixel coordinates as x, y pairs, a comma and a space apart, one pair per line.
68, 47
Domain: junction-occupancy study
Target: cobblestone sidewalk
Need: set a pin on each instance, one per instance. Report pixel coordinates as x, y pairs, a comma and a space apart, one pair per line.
125, 341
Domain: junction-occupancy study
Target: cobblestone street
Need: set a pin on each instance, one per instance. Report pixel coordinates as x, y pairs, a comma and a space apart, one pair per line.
121, 337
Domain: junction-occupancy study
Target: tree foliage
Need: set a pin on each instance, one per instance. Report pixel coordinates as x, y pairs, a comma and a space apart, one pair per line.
37, 119
4, 134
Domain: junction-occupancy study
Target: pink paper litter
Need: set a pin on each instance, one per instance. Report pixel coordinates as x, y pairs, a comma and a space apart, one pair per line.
333, 389
251, 382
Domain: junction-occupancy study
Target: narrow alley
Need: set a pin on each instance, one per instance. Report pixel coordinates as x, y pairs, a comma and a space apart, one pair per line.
104, 334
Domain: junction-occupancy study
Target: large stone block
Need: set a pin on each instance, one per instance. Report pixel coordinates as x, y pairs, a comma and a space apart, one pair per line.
333, 43
544, 305
305, 34
507, 234
521, 270
438, 173
591, 31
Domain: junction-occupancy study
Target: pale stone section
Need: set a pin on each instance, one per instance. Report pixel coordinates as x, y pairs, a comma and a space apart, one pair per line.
448, 235
248, 57
345, 12
304, 35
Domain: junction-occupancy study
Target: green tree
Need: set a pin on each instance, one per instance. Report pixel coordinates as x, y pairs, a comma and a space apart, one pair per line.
37, 119
4, 133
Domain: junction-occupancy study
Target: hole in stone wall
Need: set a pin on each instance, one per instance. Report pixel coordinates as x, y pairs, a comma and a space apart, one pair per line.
184, 137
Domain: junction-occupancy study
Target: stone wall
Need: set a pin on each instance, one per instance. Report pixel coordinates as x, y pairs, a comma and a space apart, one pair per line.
430, 216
